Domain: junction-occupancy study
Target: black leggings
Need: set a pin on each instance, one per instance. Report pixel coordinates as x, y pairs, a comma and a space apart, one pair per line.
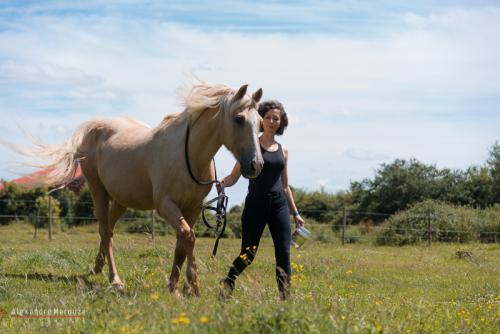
271, 209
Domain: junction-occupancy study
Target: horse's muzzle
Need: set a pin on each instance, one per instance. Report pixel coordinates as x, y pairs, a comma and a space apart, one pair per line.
252, 168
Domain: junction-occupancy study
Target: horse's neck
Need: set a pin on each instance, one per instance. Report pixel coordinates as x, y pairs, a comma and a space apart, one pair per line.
204, 142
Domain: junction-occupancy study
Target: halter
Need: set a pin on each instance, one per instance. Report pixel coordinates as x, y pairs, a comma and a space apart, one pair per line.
221, 199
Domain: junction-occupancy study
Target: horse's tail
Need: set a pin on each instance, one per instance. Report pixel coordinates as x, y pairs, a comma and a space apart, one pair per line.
63, 159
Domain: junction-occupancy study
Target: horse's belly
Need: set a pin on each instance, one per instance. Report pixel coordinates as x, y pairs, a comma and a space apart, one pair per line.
139, 200
130, 189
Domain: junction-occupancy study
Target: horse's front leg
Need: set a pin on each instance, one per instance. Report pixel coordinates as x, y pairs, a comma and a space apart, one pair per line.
168, 210
191, 287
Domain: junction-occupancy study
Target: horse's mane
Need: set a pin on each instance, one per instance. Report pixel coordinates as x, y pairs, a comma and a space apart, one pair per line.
202, 96
170, 118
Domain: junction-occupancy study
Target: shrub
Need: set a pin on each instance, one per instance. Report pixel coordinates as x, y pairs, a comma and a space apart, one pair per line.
448, 224
489, 227
42, 208
352, 234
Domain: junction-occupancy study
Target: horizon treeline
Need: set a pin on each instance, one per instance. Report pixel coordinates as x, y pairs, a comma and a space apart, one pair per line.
396, 186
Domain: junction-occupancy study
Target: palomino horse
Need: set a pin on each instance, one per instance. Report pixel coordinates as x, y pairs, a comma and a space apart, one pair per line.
129, 165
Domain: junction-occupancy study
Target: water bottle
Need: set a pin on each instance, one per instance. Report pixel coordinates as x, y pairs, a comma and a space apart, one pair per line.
299, 236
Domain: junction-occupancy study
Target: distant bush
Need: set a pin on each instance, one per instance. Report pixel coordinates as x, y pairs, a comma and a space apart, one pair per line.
489, 226
352, 234
42, 207
449, 223
19, 201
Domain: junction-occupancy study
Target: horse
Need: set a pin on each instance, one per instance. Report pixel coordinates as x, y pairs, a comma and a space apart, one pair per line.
130, 165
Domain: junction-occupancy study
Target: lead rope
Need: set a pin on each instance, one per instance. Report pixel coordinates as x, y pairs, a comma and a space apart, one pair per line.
222, 199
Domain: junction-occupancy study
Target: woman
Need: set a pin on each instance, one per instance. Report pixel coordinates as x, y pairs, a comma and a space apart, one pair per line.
269, 201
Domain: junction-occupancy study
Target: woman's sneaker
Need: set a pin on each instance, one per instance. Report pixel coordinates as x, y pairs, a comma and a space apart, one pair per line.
226, 288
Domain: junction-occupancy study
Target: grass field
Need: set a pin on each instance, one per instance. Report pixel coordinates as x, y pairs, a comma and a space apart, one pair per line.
357, 288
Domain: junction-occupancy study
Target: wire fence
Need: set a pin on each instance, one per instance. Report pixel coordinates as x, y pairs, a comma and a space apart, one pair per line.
425, 229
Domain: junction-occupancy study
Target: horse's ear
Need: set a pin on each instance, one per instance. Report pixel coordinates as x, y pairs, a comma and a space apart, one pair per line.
257, 95
241, 92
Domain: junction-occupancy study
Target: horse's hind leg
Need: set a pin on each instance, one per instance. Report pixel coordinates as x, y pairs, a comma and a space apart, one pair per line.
101, 206
115, 212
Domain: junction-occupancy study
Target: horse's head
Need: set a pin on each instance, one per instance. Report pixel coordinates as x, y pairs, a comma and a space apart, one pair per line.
241, 128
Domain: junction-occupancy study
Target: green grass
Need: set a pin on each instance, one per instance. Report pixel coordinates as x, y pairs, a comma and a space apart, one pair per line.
351, 289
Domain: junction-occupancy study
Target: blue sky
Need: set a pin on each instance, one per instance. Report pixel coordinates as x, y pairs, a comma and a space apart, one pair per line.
364, 82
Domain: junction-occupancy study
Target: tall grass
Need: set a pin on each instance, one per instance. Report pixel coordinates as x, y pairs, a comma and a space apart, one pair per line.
353, 289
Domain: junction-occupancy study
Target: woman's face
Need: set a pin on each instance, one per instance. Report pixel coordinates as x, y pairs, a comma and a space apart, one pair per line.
272, 120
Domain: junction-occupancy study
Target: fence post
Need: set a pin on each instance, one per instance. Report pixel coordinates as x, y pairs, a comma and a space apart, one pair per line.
429, 230
343, 226
153, 220
37, 218
50, 217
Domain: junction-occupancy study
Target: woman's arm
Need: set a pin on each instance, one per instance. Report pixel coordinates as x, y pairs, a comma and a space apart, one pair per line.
232, 178
288, 192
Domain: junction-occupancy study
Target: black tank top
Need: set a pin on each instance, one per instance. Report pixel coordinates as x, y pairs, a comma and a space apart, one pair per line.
269, 180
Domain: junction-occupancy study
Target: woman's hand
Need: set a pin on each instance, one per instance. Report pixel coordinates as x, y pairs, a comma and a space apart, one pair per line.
231, 179
219, 186
298, 219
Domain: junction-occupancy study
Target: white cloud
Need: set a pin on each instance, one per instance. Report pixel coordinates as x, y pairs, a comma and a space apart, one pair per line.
408, 92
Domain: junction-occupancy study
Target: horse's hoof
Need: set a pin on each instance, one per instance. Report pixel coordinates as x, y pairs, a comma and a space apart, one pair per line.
118, 286
177, 294
95, 271
173, 290
191, 290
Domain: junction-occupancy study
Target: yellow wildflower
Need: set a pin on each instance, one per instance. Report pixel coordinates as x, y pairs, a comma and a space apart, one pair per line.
181, 319
204, 319
154, 296
348, 272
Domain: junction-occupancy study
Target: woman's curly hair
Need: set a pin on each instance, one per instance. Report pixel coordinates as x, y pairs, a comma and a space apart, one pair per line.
265, 106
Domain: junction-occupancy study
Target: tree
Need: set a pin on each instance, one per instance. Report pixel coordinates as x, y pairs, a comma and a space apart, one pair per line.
83, 208
19, 201
67, 200
400, 184
477, 187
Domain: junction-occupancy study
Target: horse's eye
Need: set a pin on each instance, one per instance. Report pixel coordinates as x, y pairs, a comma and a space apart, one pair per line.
240, 120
